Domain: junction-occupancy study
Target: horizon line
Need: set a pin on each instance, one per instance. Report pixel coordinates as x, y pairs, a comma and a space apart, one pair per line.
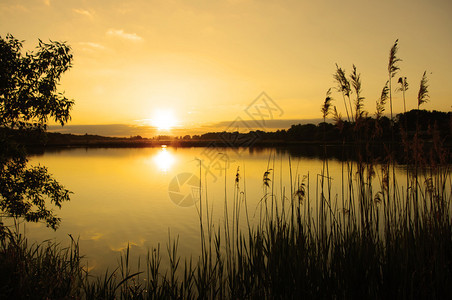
130, 129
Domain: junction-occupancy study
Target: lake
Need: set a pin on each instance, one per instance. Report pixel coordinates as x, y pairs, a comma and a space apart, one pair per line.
142, 196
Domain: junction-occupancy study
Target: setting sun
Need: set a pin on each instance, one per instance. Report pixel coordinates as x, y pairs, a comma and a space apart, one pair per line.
277, 149
164, 120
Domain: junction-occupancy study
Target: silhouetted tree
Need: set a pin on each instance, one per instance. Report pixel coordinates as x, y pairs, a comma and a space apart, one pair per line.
28, 99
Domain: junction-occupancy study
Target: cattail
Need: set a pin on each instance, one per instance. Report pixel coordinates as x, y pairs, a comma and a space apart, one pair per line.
300, 193
343, 87
356, 83
393, 60
393, 68
326, 105
266, 180
403, 88
337, 117
423, 96
382, 101
403, 84
343, 83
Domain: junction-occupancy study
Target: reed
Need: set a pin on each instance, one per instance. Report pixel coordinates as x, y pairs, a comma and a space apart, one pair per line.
38, 271
365, 248
375, 239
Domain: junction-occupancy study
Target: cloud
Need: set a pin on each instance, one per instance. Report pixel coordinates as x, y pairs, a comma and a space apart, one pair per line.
83, 12
124, 35
92, 47
13, 8
115, 130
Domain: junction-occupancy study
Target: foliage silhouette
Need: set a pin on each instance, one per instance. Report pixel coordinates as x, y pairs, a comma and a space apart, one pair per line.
28, 99
373, 240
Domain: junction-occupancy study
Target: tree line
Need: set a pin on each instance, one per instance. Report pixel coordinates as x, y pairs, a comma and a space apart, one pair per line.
427, 122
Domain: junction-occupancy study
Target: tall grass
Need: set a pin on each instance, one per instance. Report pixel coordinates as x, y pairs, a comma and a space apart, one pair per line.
363, 245
38, 271
377, 238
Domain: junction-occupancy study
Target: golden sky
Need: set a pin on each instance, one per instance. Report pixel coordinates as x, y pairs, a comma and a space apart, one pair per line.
206, 61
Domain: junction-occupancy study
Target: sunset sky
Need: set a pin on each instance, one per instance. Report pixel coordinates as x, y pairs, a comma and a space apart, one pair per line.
202, 63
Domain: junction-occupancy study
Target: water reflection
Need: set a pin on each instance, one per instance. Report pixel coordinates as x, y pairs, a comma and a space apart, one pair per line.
121, 195
164, 159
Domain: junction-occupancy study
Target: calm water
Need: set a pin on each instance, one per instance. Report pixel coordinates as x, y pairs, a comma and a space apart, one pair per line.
141, 196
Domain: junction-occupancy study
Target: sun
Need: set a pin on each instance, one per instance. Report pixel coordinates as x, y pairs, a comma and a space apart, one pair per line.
164, 119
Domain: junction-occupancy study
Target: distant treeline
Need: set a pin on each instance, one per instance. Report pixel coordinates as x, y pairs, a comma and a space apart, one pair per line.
429, 123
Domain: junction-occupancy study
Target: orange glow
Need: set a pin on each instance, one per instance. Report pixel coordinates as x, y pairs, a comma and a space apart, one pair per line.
164, 159
164, 120
208, 60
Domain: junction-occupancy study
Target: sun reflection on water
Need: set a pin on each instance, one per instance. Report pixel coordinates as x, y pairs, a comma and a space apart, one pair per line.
164, 159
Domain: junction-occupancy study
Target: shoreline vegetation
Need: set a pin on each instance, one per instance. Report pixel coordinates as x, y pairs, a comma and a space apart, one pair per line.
308, 140
376, 238
430, 123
